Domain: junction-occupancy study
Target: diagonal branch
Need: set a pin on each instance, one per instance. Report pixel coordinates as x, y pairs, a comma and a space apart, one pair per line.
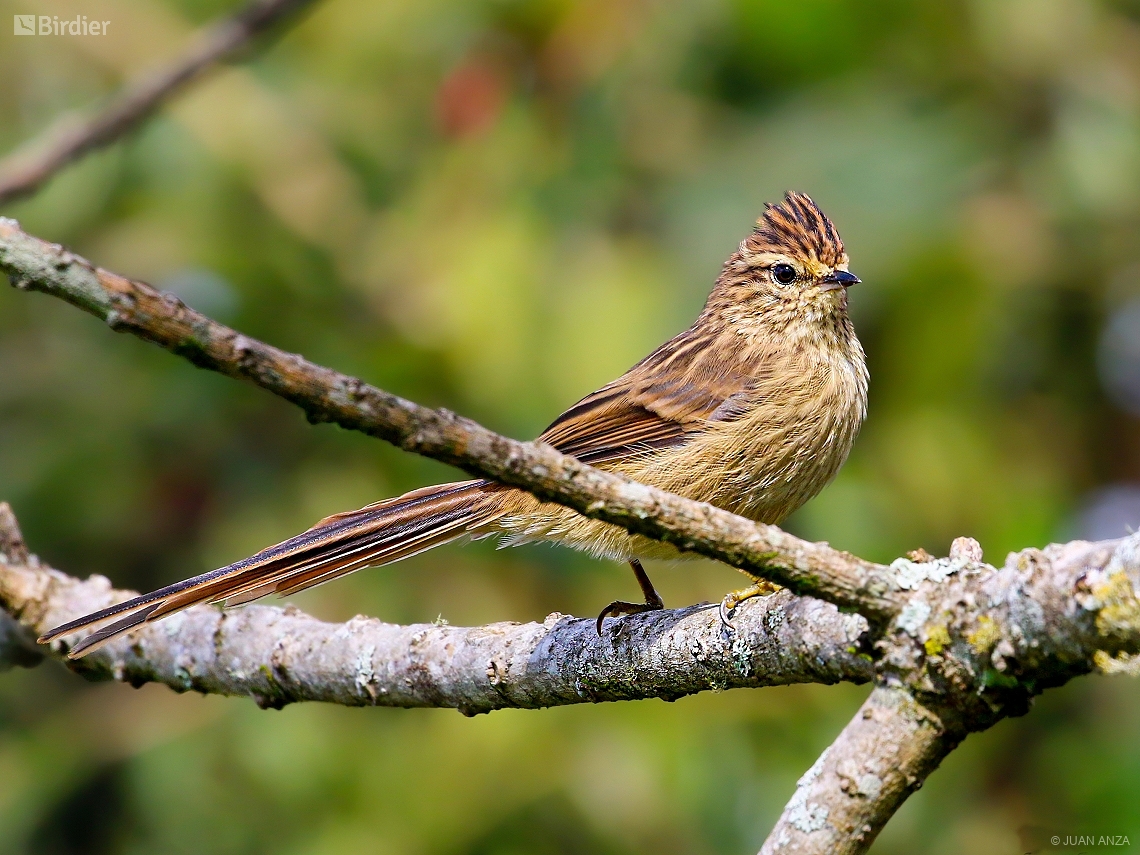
883, 755
279, 656
326, 396
22, 172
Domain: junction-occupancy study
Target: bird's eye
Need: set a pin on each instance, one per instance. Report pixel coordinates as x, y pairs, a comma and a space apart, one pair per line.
785, 274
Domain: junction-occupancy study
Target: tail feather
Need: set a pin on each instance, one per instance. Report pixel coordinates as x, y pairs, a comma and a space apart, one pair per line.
381, 533
110, 632
321, 572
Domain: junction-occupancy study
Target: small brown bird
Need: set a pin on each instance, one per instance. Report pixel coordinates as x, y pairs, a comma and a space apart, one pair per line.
752, 409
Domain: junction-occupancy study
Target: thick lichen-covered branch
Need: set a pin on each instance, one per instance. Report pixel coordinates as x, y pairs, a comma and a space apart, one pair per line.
881, 757
973, 645
325, 395
279, 656
27, 169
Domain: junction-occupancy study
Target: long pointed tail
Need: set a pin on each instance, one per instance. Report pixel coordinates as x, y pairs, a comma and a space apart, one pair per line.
382, 533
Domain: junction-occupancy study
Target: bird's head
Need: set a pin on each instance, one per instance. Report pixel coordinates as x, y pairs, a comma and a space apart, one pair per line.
793, 264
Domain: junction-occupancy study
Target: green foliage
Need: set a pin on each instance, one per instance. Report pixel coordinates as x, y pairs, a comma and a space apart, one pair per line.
496, 207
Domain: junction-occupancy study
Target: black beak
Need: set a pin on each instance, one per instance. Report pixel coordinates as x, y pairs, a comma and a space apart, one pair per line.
840, 279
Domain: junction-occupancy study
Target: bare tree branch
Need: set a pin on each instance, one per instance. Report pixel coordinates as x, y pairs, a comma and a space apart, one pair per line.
974, 645
327, 396
956, 644
279, 656
846, 797
22, 172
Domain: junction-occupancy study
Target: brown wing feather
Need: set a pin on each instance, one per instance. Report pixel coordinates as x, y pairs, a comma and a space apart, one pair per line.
644, 409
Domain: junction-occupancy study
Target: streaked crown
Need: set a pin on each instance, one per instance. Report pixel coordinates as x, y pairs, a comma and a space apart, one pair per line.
797, 227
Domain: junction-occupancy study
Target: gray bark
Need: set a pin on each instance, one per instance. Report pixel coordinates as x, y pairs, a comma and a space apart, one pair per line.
278, 656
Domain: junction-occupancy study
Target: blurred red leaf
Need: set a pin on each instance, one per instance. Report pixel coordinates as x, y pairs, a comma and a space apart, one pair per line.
470, 98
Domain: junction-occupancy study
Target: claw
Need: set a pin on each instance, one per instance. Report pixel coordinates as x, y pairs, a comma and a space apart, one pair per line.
725, 611
652, 602
761, 588
620, 607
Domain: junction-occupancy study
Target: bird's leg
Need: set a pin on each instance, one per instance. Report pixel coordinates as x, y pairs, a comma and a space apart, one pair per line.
759, 588
652, 602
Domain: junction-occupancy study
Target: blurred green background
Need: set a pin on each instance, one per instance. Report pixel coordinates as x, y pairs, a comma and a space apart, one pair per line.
496, 207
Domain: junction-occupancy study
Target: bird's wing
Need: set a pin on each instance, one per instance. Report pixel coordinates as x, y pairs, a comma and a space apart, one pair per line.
657, 404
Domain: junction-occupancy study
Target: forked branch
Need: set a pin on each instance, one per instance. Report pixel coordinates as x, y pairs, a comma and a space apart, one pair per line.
953, 645
974, 645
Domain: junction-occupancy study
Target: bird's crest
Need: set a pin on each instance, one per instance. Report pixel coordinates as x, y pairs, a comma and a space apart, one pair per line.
797, 226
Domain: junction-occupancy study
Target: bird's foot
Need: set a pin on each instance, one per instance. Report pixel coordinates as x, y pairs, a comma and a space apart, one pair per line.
759, 588
620, 607
653, 601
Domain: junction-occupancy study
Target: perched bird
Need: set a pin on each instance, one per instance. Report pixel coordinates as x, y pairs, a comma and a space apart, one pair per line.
753, 409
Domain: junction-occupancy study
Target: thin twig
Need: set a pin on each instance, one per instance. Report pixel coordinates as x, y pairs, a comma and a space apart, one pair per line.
13, 550
22, 172
17, 644
813, 569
